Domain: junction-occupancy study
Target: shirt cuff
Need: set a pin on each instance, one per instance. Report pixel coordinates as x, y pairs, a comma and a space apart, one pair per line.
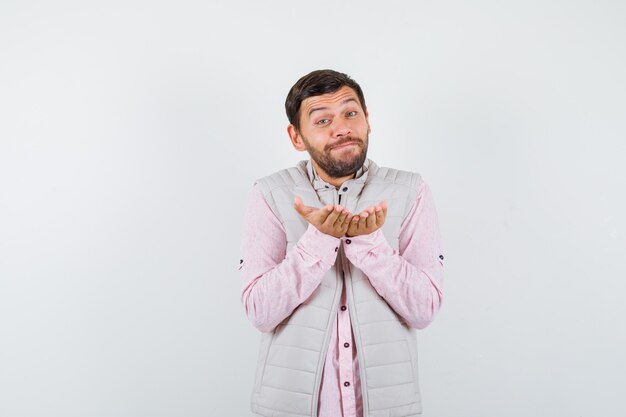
319, 245
358, 247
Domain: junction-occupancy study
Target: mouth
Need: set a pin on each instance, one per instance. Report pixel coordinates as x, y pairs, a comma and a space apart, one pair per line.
345, 145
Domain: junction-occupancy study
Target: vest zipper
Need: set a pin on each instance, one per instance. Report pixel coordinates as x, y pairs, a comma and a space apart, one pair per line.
336, 301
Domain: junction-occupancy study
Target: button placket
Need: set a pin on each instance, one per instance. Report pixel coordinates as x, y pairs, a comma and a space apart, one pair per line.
346, 357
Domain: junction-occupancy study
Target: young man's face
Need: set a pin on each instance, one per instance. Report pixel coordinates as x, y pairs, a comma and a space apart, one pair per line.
334, 130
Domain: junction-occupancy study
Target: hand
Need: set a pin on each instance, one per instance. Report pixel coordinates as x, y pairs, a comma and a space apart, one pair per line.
331, 220
368, 221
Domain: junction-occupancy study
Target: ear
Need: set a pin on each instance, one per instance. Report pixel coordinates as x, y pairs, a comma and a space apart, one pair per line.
369, 128
296, 139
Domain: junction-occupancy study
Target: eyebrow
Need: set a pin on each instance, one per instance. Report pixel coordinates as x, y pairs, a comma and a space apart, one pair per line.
324, 108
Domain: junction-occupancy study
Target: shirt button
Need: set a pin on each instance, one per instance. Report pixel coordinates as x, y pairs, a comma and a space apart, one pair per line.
346, 345
345, 188
441, 257
346, 384
344, 308
348, 241
326, 186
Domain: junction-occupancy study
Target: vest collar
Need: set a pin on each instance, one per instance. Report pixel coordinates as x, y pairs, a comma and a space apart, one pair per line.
357, 182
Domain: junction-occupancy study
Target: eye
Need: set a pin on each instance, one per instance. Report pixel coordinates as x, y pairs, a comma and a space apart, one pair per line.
351, 113
323, 122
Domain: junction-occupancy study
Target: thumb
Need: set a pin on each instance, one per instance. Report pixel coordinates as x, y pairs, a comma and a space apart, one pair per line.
300, 207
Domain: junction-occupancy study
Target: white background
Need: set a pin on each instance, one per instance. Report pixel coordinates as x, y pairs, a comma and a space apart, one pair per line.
130, 136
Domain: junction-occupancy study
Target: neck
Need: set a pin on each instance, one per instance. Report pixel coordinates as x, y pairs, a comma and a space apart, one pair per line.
336, 182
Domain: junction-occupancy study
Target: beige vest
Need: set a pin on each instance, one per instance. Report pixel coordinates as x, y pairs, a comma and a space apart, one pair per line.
291, 358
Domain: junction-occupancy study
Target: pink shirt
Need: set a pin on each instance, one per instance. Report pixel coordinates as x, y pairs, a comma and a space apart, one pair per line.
275, 283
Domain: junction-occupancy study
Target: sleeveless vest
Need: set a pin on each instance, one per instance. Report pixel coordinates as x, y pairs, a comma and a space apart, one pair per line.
291, 357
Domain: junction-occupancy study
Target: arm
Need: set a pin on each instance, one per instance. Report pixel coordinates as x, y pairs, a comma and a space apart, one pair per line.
411, 279
276, 282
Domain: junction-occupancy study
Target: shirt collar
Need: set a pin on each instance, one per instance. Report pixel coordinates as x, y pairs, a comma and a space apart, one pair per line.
319, 183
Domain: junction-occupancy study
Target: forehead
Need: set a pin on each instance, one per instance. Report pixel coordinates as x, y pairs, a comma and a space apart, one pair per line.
328, 100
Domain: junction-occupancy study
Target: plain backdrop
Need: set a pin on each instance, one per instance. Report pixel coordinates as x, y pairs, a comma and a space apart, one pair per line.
131, 134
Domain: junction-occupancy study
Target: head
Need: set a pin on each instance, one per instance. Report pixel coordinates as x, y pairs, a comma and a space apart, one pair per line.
328, 118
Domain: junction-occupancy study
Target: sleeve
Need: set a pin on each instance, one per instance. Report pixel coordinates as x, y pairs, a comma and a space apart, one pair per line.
276, 282
410, 279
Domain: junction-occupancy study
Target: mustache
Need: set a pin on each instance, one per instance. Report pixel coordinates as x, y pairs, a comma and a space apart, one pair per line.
346, 140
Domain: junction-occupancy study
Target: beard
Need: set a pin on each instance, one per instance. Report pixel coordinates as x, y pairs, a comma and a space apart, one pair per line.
339, 167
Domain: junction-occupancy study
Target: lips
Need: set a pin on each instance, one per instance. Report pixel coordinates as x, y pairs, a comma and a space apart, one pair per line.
345, 145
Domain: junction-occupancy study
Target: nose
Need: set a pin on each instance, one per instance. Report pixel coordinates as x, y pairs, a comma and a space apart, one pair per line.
342, 128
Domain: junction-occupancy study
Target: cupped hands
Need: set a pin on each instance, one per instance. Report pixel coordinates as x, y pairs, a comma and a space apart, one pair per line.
337, 221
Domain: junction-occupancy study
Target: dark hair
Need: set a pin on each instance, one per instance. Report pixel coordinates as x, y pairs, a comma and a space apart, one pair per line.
317, 83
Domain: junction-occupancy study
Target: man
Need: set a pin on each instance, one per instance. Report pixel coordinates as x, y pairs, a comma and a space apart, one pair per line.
341, 263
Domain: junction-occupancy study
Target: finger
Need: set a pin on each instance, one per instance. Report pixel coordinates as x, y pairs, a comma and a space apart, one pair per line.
332, 216
371, 218
324, 212
380, 216
348, 219
341, 219
362, 221
301, 208
352, 227
345, 224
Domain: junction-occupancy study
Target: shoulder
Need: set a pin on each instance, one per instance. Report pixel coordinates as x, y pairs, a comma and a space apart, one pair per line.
402, 178
287, 177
